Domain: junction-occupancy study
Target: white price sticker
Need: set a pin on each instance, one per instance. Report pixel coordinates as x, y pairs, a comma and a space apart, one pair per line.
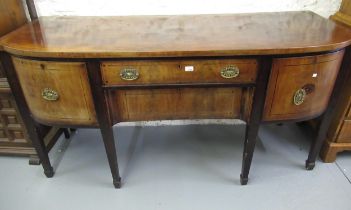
189, 68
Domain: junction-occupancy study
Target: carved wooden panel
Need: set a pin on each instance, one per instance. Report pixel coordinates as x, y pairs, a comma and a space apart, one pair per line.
12, 131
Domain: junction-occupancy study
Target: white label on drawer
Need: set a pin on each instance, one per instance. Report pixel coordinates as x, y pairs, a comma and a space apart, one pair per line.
189, 68
314, 75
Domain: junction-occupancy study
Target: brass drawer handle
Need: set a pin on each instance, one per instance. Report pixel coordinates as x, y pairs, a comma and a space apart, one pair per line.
299, 96
230, 71
49, 94
129, 74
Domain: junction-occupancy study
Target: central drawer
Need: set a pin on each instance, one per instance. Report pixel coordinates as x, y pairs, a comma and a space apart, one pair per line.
121, 73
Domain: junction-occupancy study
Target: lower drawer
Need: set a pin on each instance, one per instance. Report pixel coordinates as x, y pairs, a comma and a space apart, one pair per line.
169, 104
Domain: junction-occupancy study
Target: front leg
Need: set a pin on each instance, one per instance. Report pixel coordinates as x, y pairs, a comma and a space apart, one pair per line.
253, 123
249, 147
105, 124
340, 82
107, 136
31, 126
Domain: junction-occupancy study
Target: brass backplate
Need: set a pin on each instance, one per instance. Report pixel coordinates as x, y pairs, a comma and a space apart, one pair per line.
299, 96
230, 71
129, 74
49, 94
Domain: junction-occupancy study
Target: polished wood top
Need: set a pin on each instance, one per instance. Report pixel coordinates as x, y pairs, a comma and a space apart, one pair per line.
168, 36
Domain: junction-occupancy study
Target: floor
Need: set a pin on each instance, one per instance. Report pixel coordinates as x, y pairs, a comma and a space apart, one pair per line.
179, 167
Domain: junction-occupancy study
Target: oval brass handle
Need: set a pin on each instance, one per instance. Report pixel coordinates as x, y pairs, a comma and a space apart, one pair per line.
230, 71
129, 74
49, 94
299, 96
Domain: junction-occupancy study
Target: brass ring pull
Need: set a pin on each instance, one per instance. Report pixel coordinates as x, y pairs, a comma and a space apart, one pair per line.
299, 96
230, 71
49, 94
129, 74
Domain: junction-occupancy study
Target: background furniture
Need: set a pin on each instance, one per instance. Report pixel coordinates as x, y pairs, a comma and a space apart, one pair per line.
339, 133
263, 68
14, 139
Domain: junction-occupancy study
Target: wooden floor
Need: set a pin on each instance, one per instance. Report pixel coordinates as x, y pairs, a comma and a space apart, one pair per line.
179, 167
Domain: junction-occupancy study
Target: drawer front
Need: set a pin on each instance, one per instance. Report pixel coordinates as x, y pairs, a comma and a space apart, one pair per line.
170, 104
118, 73
56, 92
301, 87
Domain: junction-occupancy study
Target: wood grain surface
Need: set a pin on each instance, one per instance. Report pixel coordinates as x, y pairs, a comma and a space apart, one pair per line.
318, 73
69, 79
174, 72
169, 36
12, 15
171, 104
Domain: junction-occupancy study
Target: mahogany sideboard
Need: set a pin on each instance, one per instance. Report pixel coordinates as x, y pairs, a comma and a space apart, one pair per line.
98, 71
13, 135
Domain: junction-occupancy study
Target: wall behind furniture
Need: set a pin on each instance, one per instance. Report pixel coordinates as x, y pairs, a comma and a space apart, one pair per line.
150, 7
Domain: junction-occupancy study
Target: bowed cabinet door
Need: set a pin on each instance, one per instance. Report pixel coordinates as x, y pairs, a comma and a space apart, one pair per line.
300, 87
56, 92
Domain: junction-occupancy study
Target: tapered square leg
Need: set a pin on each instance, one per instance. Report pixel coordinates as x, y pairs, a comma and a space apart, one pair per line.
66, 133
29, 123
107, 135
309, 165
253, 123
103, 118
324, 124
49, 172
249, 147
117, 183
243, 180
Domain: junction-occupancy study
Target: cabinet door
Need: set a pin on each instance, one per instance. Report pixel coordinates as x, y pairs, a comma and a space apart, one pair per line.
56, 92
300, 87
